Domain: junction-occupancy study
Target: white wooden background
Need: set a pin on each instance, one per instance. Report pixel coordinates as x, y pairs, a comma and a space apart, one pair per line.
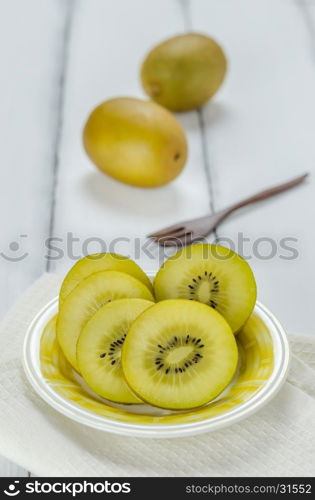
59, 58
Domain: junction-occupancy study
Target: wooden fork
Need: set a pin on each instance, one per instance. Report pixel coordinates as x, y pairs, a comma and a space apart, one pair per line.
186, 232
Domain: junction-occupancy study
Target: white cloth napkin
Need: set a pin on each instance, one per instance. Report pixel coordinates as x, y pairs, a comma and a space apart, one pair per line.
277, 441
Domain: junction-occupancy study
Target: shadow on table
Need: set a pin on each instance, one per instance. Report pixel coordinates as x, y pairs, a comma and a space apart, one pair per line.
154, 202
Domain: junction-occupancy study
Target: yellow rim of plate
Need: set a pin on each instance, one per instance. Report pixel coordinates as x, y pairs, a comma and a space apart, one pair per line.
256, 364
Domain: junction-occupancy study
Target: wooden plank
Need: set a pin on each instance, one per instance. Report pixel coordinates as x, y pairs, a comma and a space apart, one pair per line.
109, 40
260, 131
9, 469
28, 97
31, 45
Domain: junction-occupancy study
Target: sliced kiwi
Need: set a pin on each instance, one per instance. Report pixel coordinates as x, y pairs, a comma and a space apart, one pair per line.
99, 348
86, 298
100, 262
213, 275
179, 354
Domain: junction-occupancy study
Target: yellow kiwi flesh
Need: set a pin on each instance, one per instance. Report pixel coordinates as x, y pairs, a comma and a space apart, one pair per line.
179, 354
100, 262
99, 349
86, 298
213, 275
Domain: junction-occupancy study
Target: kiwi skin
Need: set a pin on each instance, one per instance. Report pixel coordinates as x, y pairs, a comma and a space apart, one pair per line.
184, 72
135, 141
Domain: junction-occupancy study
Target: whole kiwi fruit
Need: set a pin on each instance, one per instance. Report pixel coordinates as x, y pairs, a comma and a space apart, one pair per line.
135, 141
184, 72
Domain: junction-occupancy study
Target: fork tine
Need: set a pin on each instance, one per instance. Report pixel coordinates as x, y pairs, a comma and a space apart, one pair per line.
167, 231
185, 240
167, 237
168, 243
173, 241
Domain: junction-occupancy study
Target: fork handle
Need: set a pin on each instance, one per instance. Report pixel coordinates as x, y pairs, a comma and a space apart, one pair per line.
267, 193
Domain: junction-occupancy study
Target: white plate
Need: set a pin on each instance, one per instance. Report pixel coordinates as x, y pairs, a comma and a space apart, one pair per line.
151, 422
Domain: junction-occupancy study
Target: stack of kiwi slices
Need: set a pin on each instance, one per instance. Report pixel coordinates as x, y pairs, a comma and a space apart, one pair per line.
171, 343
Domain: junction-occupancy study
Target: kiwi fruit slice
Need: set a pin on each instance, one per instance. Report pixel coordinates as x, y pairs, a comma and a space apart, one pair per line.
86, 298
100, 262
213, 275
99, 348
179, 354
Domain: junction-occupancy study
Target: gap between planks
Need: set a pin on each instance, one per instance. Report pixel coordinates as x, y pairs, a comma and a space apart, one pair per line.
186, 12
69, 14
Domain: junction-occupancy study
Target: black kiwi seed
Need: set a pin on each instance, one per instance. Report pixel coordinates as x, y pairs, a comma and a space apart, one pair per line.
190, 360
114, 347
212, 280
